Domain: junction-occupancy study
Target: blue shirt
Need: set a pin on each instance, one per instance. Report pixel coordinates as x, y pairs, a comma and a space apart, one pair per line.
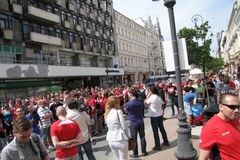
134, 108
189, 97
34, 118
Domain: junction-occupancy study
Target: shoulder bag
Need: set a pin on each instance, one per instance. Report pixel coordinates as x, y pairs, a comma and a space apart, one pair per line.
131, 142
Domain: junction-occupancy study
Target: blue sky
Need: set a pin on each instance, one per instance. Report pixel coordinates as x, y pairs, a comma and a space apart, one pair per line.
217, 12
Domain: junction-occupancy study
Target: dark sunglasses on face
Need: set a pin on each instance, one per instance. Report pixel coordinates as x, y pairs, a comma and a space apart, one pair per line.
232, 106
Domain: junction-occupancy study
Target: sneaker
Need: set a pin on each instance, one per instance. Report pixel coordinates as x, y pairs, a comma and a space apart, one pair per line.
145, 154
133, 156
156, 148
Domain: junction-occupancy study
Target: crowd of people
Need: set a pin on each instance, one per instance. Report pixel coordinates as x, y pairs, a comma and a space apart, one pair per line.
89, 111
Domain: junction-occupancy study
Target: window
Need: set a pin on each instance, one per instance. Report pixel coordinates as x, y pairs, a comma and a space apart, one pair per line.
58, 33
5, 22
78, 6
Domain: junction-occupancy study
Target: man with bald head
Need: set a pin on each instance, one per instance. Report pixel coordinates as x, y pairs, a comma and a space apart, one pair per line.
66, 142
221, 134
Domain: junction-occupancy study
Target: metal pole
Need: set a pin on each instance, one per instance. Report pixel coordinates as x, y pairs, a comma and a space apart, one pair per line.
195, 19
185, 150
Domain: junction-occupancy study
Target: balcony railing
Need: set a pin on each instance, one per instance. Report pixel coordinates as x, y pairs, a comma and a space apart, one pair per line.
42, 38
41, 15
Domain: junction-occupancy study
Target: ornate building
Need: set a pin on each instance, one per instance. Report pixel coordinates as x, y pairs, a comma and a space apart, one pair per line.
229, 42
139, 48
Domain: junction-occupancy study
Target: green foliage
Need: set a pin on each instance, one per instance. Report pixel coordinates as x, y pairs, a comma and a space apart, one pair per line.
215, 64
198, 41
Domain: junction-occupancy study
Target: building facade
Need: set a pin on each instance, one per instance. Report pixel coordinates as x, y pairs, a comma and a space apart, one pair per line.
229, 43
56, 42
139, 49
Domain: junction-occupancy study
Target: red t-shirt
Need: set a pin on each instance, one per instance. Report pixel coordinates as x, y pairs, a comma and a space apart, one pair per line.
232, 84
104, 102
119, 93
224, 134
65, 130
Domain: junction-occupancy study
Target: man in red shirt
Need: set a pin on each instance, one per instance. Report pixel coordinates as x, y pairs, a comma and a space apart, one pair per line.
222, 132
66, 136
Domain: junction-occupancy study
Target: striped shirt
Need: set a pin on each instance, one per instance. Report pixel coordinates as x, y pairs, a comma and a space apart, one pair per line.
42, 111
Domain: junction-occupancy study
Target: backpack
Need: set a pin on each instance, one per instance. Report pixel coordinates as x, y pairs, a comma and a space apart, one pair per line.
35, 139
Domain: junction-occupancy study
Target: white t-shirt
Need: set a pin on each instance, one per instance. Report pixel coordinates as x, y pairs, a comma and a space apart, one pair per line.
155, 106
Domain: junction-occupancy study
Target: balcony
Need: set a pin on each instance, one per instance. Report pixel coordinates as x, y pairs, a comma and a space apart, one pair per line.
95, 50
100, 19
92, 16
74, 45
82, 11
88, 31
41, 15
88, 1
49, 1
107, 22
103, 52
66, 24
86, 48
79, 28
7, 34
97, 33
110, 53
34, 37
104, 36
16, 8
70, 6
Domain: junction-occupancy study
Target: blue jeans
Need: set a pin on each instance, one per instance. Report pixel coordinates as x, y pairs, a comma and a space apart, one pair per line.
157, 122
174, 101
87, 146
135, 129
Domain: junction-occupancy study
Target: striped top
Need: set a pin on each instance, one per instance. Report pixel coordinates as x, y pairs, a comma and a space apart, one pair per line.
41, 112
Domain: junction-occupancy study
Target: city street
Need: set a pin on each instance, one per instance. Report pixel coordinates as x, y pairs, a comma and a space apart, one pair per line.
103, 152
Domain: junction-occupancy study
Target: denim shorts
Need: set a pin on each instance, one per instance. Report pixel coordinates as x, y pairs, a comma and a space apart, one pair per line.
187, 108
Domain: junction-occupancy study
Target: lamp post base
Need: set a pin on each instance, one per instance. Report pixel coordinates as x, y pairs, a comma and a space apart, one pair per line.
185, 150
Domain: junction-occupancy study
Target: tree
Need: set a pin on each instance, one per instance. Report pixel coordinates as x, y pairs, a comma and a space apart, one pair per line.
215, 64
198, 42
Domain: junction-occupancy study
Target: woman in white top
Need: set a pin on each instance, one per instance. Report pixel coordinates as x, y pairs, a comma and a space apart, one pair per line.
117, 129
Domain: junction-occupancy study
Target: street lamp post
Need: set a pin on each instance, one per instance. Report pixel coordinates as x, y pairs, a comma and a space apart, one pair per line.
185, 150
195, 18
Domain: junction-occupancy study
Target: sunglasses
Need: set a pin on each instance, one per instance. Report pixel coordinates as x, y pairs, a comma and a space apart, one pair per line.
232, 106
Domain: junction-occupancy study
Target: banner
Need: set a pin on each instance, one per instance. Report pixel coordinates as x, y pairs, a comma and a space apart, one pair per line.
169, 58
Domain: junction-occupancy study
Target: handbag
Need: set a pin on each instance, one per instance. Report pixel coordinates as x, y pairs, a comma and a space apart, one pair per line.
131, 141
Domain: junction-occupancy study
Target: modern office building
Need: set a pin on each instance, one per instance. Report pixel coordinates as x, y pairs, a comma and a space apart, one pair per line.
49, 43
